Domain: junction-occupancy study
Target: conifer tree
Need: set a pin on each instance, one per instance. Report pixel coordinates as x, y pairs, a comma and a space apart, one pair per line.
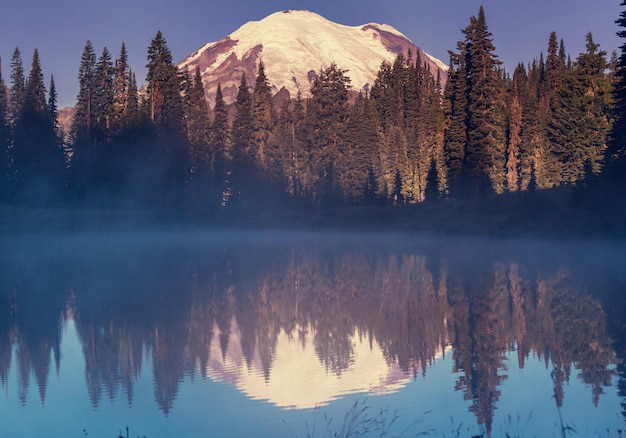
555, 69
103, 99
220, 150
515, 129
131, 110
326, 117
485, 153
5, 139
18, 84
164, 86
266, 152
37, 157
456, 113
578, 126
383, 94
291, 136
121, 91
424, 126
198, 126
242, 174
616, 153
219, 130
84, 111
357, 151
167, 113
83, 123
241, 132
431, 192
52, 104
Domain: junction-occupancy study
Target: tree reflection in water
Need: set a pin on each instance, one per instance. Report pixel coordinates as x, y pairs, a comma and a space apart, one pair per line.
184, 307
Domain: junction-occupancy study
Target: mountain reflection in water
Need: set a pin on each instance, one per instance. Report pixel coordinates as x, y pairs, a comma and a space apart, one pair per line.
301, 323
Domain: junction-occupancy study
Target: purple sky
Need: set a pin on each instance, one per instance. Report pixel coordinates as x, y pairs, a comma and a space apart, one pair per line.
60, 29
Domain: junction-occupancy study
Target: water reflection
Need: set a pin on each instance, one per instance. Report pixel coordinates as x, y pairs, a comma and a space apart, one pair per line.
298, 325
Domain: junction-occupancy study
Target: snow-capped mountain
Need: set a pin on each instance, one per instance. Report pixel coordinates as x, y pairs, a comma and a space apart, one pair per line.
294, 45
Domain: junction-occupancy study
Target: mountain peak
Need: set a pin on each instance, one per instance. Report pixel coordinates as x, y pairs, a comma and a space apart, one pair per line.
294, 45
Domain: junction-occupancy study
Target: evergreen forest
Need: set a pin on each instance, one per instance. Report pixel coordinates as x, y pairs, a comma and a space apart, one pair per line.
553, 128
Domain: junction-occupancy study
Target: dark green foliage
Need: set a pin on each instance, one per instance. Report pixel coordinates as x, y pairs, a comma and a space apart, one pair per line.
121, 95
84, 149
242, 129
484, 155
198, 126
617, 148
5, 140
103, 98
84, 108
291, 141
404, 142
167, 114
456, 115
579, 125
431, 192
265, 151
359, 154
38, 160
327, 112
219, 129
18, 84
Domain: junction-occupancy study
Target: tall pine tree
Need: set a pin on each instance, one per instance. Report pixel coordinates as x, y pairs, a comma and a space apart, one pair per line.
18, 84
617, 148
485, 153
5, 139
38, 159
167, 113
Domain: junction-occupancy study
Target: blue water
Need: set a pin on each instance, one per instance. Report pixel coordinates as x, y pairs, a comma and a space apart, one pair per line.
316, 353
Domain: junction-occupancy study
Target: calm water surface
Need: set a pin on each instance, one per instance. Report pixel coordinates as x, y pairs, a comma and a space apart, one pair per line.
229, 333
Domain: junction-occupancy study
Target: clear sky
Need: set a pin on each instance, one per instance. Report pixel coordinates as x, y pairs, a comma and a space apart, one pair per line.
59, 29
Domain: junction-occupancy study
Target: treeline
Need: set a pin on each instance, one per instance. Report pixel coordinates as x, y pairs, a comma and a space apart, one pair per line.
405, 140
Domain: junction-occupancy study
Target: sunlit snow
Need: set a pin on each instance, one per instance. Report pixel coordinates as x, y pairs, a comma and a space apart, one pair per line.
298, 42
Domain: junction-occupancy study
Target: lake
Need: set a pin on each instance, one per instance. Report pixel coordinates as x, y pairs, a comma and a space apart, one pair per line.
293, 334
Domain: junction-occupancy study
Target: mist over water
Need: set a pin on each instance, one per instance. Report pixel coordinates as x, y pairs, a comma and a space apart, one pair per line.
228, 332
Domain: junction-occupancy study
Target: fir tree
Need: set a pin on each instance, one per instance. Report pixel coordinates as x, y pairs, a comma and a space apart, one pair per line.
456, 111
121, 91
219, 129
555, 69
578, 127
164, 86
103, 98
241, 132
198, 126
242, 175
167, 113
83, 122
431, 192
38, 159
291, 135
220, 149
18, 84
354, 152
485, 153
5, 139
52, 104
266, 152
618, 133
615, 173
131, 110
326, 116
515, 129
